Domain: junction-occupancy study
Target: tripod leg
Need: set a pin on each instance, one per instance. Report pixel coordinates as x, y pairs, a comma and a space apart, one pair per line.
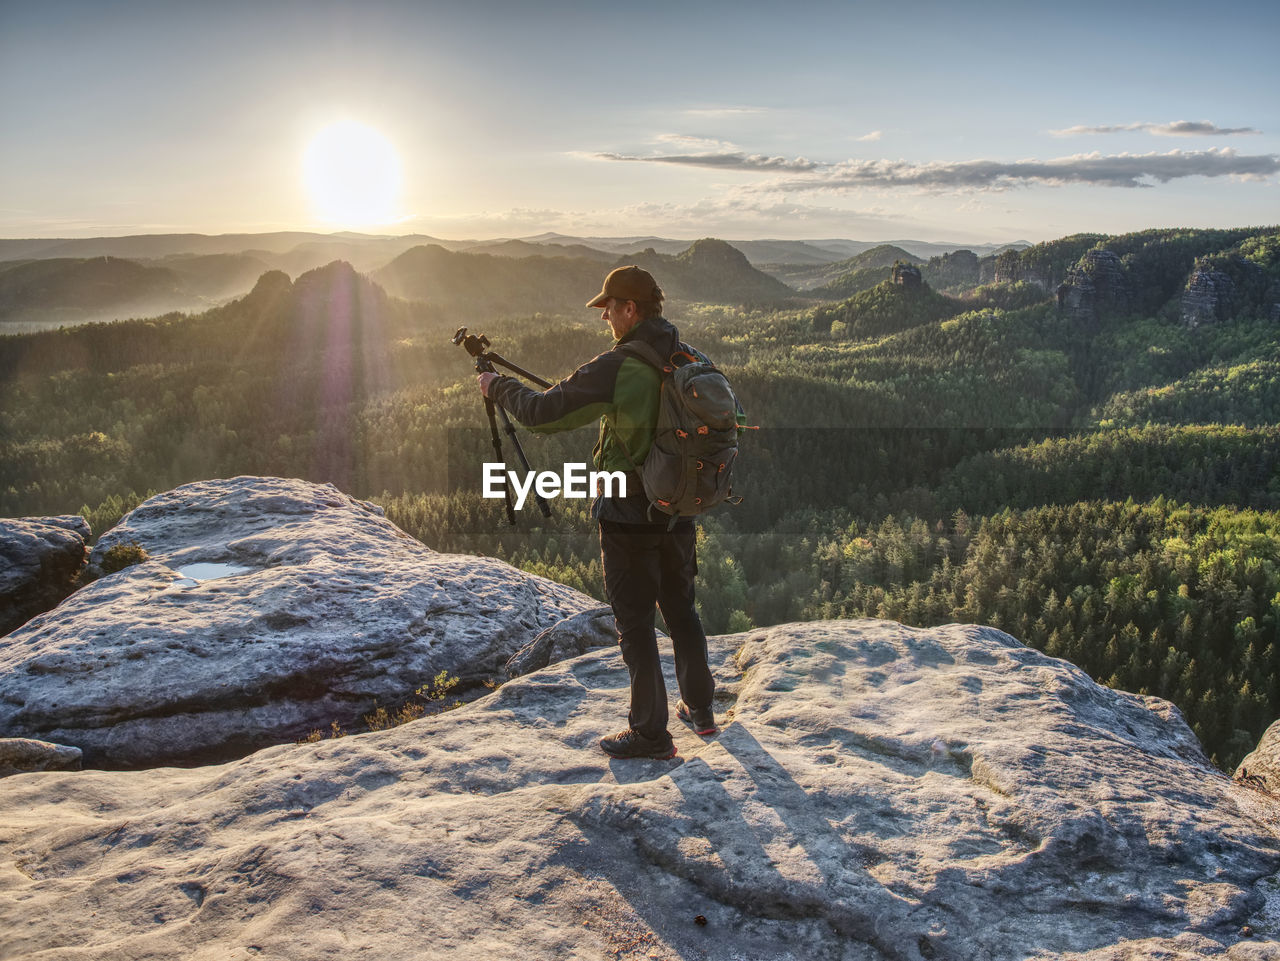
489, 408
543, 506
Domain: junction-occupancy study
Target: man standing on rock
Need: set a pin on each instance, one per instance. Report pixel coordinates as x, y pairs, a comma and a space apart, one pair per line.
645, 563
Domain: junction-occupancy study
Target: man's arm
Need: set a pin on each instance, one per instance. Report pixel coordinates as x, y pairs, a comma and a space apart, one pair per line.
581, 398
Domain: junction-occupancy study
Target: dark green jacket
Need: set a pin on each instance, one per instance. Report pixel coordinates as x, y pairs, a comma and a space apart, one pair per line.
618, 389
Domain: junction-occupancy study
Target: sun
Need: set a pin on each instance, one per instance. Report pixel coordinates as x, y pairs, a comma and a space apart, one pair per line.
352, 175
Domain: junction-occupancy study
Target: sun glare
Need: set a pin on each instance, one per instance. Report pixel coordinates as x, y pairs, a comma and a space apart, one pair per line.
352, 175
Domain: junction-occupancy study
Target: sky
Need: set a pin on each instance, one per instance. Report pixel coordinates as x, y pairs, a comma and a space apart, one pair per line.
968, 122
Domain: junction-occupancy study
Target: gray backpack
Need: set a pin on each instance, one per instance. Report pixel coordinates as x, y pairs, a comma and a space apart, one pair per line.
689, 468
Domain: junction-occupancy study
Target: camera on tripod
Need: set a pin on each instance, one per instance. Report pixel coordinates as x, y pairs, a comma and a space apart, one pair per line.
475, 346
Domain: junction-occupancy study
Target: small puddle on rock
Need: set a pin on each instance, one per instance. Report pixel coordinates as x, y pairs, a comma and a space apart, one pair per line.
194, 574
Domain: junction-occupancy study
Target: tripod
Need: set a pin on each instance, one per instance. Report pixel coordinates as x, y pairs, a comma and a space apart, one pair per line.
485, 364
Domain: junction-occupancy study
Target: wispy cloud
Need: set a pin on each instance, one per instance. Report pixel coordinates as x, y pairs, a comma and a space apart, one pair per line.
1119, 170
723, 111
730, 160
1179, 128
697, 142
1095, 169
870, 137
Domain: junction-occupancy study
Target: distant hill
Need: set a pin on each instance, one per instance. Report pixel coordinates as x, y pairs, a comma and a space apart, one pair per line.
764, 253
209, 269
707, 271
154, 246
885, 255
67, 290
846, 277
925, 249
215, 276
771, 254
473, 284
712, 271
958, 271
523, 248
886, 308
513, 278
614, 245
297, 251
1195, 275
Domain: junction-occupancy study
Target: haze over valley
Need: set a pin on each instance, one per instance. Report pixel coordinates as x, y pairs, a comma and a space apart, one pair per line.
49, 283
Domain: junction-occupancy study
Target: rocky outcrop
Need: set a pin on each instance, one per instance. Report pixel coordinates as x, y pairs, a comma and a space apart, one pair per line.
906, 275
876, 792
1261, 767
1009, 268
1225, 287
1095, 287
568, 638
19, 755
40, 559
1208, 298
268, 608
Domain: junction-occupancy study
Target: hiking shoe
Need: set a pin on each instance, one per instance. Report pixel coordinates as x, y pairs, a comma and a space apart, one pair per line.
631, 743
702, 721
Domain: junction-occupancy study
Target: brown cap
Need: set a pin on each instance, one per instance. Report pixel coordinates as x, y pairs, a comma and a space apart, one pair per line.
629, 283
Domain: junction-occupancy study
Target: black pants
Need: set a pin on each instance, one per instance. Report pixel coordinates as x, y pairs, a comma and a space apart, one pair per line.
646, 565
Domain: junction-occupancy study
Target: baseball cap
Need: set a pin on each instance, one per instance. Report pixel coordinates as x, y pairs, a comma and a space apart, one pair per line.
628, 283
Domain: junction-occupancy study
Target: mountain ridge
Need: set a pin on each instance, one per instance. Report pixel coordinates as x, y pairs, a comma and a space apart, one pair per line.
758, 250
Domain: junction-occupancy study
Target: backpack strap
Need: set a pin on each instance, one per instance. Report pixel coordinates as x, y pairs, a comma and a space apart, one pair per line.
648, 353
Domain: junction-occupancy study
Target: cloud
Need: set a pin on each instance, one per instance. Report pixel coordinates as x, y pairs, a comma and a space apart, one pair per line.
1179, 128
1121, 170
870, 137
725, 160
723, 111
1094, 169
697, 142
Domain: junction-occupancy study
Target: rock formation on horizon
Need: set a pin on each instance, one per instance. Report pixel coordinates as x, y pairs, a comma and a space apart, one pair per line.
1095, 287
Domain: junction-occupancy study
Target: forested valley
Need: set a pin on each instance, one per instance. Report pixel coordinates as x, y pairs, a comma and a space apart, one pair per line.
1077, 443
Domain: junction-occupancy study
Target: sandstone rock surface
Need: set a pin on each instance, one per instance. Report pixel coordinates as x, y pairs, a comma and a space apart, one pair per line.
20, 755
1262, 765
302, 607
875, 792
565, 639
40, 558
